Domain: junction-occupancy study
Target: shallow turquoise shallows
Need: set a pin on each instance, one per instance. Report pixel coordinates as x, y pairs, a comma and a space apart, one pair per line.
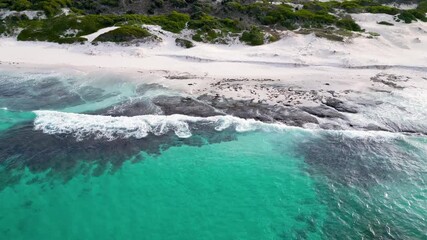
234, 190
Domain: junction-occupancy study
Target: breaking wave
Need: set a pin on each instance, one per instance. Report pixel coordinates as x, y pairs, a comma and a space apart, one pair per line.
108, 127
119, 127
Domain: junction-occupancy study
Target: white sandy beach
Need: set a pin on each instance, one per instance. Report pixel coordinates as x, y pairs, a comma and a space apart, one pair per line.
303, 61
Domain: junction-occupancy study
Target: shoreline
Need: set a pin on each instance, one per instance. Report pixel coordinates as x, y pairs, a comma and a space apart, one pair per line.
299, 79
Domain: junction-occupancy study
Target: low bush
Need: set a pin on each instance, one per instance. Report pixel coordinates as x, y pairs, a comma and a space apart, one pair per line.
412, 15
212, 29
348, 24
53, 29
123, 34
422, 6
385, 23
383, 9
184, 43
253, 37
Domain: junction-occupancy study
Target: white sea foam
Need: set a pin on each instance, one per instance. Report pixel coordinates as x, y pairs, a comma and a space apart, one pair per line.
108, 127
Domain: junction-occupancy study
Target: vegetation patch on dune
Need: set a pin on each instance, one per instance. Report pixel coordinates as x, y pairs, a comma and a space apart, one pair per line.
385, 23
124, 34
184, 43
219, 22
70, 28
253, 37
214, 30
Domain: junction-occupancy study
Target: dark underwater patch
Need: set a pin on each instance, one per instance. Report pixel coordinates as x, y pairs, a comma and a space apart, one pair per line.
63, 157
354, 175
361, 161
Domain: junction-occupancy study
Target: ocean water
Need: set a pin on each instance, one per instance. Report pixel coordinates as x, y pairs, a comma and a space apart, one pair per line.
68, 170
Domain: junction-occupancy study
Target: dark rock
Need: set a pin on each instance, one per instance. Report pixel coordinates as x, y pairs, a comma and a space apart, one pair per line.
340, 105
132, 108
183, 105
260, 111
323, 111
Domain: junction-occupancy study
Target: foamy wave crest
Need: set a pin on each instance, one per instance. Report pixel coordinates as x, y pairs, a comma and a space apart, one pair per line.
83, 125
107, 127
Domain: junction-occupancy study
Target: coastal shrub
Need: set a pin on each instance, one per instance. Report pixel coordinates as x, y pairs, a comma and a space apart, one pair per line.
351, 7
173, 22
70, 40
92, 23
422, 6
53, 7
314, 14
323, 7
207, 22
412, 15
123, 34
112, 3
197, 37
349, 24
329, 36
315, 18
2, 28
253, 37
179, 3
418, 14
53, 29
285, 15
385, 23
21, 5
184, 43
92, 6
212, 29
383, 9
407, 17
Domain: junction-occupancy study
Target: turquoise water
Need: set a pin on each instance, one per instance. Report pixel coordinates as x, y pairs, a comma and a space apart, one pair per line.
260, 184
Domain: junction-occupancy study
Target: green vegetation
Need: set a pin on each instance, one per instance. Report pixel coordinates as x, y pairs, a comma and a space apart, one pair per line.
383, 9
50, 7
173, 22
313, 15
184, 43
422, 6
212, 29
348, 24
206, 19
385, 23
330, 34
53, 7
253, 37
63, 29
69, 29
411, 15
124, 34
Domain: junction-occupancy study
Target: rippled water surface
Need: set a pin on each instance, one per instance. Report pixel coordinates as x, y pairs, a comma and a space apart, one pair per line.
69, 171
